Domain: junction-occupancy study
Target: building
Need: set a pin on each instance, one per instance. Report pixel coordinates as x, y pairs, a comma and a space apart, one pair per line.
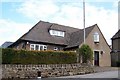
115, 53
6, 44
51, 36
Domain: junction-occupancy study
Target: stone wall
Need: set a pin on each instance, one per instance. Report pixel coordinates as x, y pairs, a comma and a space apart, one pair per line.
32, 71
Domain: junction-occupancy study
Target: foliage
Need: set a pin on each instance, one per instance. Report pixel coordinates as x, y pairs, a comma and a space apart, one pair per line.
86, 53
12, 56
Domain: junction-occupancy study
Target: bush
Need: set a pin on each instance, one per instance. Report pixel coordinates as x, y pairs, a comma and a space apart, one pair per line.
86, 53
11, 56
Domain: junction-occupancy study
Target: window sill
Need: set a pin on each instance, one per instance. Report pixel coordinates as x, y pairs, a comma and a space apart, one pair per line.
96, 42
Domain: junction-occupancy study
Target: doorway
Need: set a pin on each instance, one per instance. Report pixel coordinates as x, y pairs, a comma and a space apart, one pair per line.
96, 58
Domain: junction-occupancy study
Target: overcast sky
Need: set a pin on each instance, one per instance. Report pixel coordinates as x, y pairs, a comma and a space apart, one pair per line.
18, 16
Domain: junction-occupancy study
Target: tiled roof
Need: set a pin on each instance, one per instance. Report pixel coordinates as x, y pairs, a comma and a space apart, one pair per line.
76, 38
40, 33
6, 44
117, 35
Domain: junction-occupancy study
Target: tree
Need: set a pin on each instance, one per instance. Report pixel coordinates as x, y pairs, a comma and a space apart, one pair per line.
85, 53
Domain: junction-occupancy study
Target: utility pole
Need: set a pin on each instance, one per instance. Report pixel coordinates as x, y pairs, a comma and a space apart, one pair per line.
84, 18
78, 57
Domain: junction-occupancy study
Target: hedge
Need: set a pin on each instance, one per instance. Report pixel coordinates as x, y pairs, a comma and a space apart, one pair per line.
12, 56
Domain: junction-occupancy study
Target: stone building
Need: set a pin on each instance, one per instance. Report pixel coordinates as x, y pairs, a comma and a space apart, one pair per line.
115, 53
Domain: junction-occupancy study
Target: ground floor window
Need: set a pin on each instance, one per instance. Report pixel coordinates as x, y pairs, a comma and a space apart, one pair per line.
38, 47
55, 48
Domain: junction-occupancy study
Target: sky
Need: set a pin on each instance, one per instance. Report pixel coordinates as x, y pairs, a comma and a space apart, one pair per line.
18, 16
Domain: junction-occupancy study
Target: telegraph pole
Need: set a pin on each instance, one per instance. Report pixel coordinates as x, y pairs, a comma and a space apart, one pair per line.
78, 58
84, 18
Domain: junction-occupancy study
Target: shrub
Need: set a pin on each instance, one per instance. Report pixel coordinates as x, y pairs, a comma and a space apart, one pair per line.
11, 56
86, 53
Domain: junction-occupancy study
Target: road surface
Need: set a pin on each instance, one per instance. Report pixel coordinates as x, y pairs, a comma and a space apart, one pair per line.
107, 74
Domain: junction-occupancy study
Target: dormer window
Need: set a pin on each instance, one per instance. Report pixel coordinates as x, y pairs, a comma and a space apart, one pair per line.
96, 37
57, 33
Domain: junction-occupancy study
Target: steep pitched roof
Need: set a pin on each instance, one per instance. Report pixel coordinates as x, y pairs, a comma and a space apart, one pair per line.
76, 38
117, 35
40, 33
63, 28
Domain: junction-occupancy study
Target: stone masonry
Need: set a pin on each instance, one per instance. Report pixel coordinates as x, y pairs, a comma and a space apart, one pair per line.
51, 70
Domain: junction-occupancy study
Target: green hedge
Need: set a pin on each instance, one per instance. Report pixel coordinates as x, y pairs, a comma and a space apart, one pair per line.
11, 56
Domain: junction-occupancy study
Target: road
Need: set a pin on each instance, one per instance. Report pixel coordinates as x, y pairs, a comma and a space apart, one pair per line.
107, 74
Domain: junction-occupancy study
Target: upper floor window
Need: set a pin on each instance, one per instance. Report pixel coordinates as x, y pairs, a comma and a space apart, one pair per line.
57, 33
38, 47
96, 37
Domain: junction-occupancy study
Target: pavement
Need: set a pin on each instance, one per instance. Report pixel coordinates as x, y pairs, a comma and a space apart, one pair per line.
103, 69
100, 72
106, 74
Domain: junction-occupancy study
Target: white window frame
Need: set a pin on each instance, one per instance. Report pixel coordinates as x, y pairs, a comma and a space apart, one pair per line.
96, 37
57, 33
61, 33
55, 48
44, 47
38, 46
32, 46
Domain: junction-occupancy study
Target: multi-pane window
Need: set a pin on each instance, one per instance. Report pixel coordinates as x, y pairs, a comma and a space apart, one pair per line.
57, 33
96, 37
38, 47
45, 47
32, 47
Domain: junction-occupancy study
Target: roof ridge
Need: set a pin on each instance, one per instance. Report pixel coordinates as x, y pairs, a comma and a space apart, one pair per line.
90, 26
85, 28
60, 24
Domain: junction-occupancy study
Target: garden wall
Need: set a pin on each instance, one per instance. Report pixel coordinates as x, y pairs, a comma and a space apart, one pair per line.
51, 70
